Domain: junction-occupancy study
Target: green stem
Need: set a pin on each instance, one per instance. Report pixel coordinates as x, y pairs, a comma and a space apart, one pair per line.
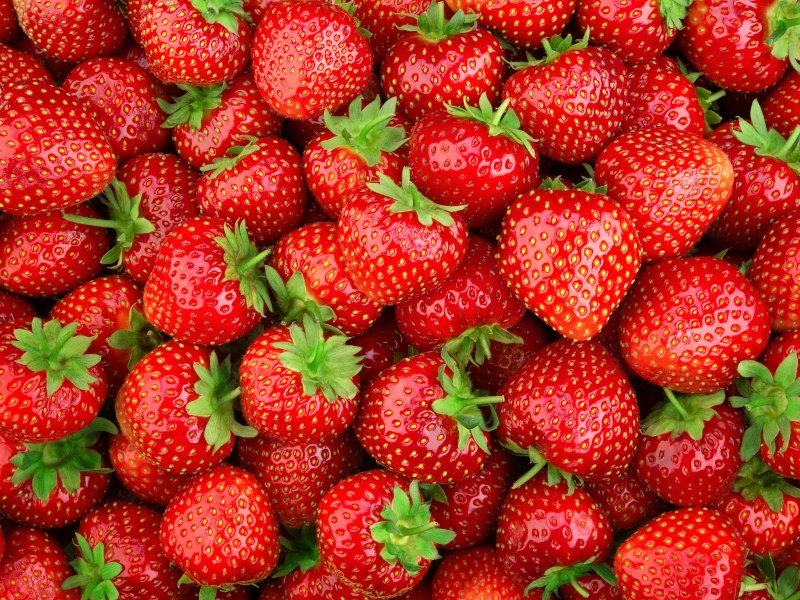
416, 530
674, 401
253, 262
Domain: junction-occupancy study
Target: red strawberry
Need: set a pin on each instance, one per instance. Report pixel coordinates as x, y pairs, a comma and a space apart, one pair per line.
626, 500
13, 307
442, 61
779, 348
309, 57
34, 566
592, 584
59, 69
473, 574
384, 20
381, 345
42, 125
19, 67
782, 104
682, 554
9, 24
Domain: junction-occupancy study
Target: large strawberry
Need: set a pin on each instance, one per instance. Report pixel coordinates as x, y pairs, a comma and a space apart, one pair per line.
627, 501
34, 566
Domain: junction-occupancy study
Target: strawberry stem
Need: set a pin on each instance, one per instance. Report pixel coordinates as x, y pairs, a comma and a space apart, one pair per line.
235, 156
473, 346
673, 12
556, 577
243, 264
501, 122
193, 106
409, 199
294, 302
301, 551
433, 26
767, 141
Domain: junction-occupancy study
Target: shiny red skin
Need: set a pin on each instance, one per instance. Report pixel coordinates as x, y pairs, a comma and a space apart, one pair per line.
19, 67
456, 162
473, 296
775, 272
383, 19
242, 113
101, 307
719, 33
706, 558
688, 472
787, 462
702, 295
264, 190
187, 294
789, 557
565, 130
779, 348
380, 346
223, 551
182, 47
32, 117
272, 590
273, 400
309, 57
19, 503
9, 24
625, 499
476, 574
378, 258
318, 583
58, 69
151, 409
314, 250
346, 514
297, 476
543, 526
13, 308
122, 98
34, 566
597, 587
574, 404
129, 534
398, 426
168, 188
764, 190
27, 414
570, 256
781, 107
425, 75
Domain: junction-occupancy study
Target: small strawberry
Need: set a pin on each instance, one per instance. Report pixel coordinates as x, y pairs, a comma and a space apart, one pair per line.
782, 104
627, 501
34, 566
384, 20
9, 24
381, 345
13, 307
19, 67
475, 573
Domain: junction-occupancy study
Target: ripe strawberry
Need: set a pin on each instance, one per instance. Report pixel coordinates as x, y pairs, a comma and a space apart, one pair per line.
627, 501
374, 230
570, 256
19, 67
442, 61
42, 125
473, 156
782, 104
309, 57
542, 96
385, 19
687, 323
682, 554
381, 345
34, 566
58, 69
9, 24
779, 348
473, 574
223, 552
592, 584
376, 536
13, 308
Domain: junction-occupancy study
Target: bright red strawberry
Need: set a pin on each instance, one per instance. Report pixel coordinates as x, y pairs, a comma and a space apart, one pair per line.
272, 590
688, 322
13, 308
119, 555
297, 476
309, 57
475, 574
34, 566
42, 125
374, 230
473, 156
442, 61
375, 533
779, 348
627, 501
20, 67
688, 553
542, 94
205, 286
381, 345
782, 104
570, 256
59, 69
223, 552
384, 20
596, 586
9, 24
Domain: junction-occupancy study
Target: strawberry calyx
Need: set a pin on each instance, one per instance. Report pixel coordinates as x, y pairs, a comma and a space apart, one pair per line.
553, 48
224, 12
771, 403
682, 413
756, 479
784, 587
407, 532
327, 364
706, 98
365, 131
193, 106
63, 460
350, 8
673, 12
207, 592
58, 352
93, 575
301, 551
235, 155
556, 577
216, 402
141, 339
783, 25
434, 26
539, 462
294, 302
501, 122
767, 141
409, 199
244, 264
473, 346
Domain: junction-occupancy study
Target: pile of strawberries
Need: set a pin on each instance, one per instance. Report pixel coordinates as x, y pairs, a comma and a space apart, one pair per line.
475, 299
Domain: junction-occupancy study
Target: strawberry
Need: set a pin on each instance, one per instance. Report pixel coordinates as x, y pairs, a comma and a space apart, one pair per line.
542, 94
259, 184
686, 324
392, 270
570, 256
222, 552
58, 69
473, 156
381, 345
473, 574
597, 587
779, 348
13, 307
375, 533
34, 566
205, 287
82, 160
627, 501
385, 19
9, 24
18, 67
309, 57
782, 104
685, 553
442, 61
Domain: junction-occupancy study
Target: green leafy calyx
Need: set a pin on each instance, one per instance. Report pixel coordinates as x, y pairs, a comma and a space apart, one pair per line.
141, 339
783, 26
538, 463
193, 106
556, 577
755, 479
433, 26
673, 12
682, 413
784, 587
301, 551
294, 302
244, 263
501, 122
473, 346
234, 156
767, 141
94, 575
409, 199
225, 12
553, 47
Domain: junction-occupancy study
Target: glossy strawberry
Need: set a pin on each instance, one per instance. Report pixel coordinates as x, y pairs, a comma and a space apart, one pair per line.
782, 104
384, 20
473, 574
19, 67
627, 501
34, 566
779, 348
13, 307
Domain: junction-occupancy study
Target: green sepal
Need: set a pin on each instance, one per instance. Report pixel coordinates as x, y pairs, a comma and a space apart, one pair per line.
767, 141
588, 183
783, 25
142, 338
301, 551
44, 465
193, 106
553, 47
433, 26
673, 12
501, 122
555, 578
94, 575
234, 156
553, 183
473, 346
58, 352
244, 263
434, 492
207, 592
538, 463
407, 531
223, 12
706, 98
409, 199
350, 8
783, 587
682, 413
365, 131
756, 479
294, 302
326, 364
